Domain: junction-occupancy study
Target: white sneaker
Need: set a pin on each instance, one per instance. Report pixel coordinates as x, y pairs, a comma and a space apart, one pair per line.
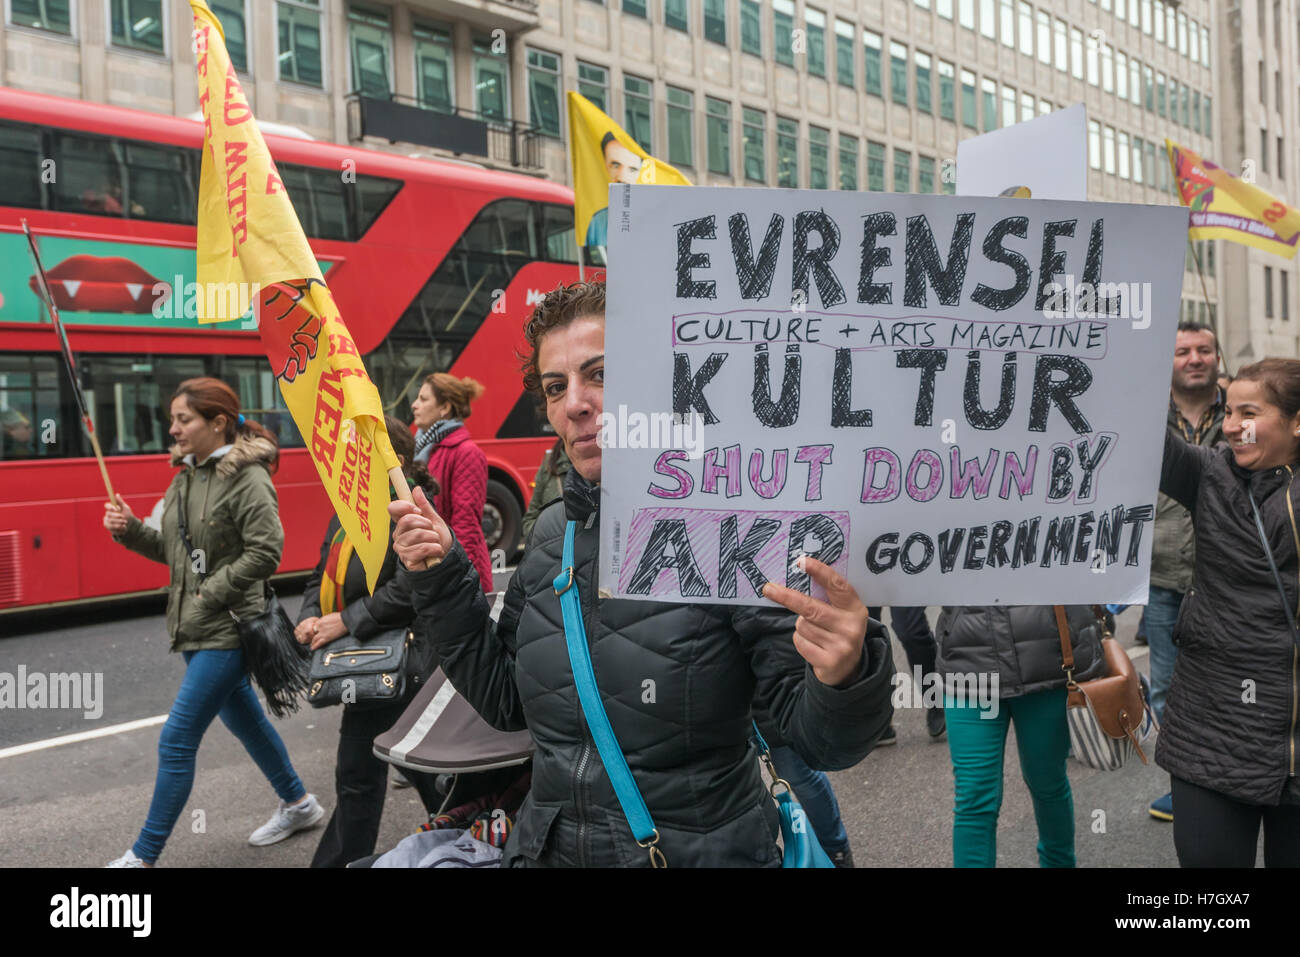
288, 819
126, 860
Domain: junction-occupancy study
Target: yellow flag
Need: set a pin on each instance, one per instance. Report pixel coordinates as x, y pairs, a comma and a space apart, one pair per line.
602, 153
249, 237
1224, 206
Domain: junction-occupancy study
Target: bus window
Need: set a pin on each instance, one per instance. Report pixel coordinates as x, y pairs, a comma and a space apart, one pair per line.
162, 183
20, 158
90, 175
259, 396
557, 234
130, 396
505, 227
32, 424
317, 197
373, 194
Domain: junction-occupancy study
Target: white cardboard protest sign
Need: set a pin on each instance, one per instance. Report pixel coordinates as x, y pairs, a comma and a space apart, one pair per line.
951, 400
1049, 154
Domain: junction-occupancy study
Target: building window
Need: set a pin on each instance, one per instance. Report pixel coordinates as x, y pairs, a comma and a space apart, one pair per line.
871, 68
677, 14
1196, 110
902, 171
681, 120
1121, 75
819, 158
925, 174
435, 73
1026, 107
1263, 150
1008, 23
1137, 160
1008, 106
783, 31
968, 110
593, 83
1194, 36
1160, 94
1268, 292
755, 133
1107, 68
718, 113
876, 167
1093, 72
298, 23
943, 8
815, 22
1187, 105
52, 15
1284, 293
230, 13
138, 25
1076, 53
1044, 107
1205, 101
990, 104
1135, 82
1044, 37
947, 91
1281, 165
751, 27
1146, 17
966, 13
898, 72
1173, 99
1108, 149
1026, 31
988, 19
1149, 88
635, 8
637, 94
491, 81
923, 101
544, 91
1205, 46
848, 162
1182, 33
1159, 19
1062, 57
1121, 151
787, 153
1171, 27
1094, 144
370, 40
715, 21
844, 68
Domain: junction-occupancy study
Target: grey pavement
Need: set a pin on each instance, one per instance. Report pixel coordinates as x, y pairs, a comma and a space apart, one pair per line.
82, 804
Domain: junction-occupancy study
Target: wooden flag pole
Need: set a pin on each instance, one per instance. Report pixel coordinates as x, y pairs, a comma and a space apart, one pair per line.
398, 479
69, 362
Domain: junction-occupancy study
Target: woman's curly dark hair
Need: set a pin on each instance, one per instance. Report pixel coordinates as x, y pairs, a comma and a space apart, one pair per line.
559, 307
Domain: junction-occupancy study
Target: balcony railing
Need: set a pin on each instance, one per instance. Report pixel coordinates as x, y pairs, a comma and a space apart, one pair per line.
401, 119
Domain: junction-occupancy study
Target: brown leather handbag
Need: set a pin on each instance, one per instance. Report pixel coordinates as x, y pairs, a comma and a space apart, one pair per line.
1109, 717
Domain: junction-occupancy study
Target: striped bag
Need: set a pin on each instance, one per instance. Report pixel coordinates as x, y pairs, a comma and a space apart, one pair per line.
1110, 717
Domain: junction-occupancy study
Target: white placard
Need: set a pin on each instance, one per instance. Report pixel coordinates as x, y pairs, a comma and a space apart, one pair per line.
916, 389
1048, 154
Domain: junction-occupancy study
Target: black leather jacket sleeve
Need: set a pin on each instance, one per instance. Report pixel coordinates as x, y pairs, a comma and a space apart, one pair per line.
1180, 472
830, 728
476, 653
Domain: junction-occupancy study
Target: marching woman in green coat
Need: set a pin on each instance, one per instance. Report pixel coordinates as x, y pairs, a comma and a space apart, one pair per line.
233, 523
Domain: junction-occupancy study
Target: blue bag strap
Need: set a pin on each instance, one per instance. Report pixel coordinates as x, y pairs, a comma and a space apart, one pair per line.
602, 732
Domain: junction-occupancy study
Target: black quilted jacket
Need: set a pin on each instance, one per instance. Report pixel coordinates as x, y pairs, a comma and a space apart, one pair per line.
1230, 719
677, 681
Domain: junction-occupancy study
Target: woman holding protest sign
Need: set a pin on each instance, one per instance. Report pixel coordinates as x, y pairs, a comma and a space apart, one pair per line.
457, 465
677, 680
1229, 737
221, 538
1007, 658
336, 602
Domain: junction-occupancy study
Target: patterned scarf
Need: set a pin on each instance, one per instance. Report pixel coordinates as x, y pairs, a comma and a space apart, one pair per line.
429, 439
336, 570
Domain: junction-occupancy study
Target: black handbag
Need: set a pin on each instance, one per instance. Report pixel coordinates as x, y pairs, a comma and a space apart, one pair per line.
350, 670
272, 655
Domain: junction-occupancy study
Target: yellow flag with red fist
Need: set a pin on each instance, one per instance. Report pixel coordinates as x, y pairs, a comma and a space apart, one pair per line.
252, 250
1224, 206
602, 153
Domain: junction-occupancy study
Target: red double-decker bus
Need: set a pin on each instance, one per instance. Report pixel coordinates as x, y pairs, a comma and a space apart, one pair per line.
434, 265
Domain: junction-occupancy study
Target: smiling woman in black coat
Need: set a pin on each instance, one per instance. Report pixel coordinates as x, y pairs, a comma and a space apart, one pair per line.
1229, 734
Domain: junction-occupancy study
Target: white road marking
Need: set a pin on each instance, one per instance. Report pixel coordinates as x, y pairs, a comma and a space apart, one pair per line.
82, 736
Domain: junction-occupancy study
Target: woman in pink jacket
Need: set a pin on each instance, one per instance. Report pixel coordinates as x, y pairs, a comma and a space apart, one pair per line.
459, 466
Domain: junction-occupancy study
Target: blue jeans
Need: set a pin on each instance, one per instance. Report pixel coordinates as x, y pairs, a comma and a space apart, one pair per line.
1161, 615
215, 683
813, 791
977, 741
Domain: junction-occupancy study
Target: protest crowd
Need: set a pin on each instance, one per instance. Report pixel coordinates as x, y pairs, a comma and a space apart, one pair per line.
814, 676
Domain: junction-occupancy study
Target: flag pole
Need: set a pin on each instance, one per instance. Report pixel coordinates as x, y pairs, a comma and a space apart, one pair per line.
69, 362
